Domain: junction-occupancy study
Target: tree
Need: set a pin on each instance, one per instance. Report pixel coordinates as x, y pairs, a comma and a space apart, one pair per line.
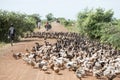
90, 21
49, 17
100, 24
21, 22
37, 17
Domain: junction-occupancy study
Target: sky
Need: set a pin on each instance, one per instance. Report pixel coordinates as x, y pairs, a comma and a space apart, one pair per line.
59, 8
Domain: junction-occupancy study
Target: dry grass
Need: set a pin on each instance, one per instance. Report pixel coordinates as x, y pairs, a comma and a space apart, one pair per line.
2, 44
72, 29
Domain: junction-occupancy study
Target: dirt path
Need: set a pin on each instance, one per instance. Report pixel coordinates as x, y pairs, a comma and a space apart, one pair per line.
11, 69
56, 27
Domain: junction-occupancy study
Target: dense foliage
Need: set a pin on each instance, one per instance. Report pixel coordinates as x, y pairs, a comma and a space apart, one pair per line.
21, 22
50, 17
100, 24
66, 22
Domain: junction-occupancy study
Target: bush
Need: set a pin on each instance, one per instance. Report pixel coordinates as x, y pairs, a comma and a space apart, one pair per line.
100, 24
90, 21
21, 22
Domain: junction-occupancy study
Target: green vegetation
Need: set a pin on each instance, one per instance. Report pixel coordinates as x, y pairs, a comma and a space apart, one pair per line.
100, 24
97, 24
73, 29
66, 22
69, 24
21, 22
50, 17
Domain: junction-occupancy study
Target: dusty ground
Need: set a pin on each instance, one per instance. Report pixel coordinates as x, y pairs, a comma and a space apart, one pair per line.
11, 69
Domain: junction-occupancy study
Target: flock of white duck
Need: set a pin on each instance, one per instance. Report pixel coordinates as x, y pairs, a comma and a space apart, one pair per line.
75, 53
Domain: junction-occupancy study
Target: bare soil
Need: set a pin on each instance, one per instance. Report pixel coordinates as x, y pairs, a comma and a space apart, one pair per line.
11, 69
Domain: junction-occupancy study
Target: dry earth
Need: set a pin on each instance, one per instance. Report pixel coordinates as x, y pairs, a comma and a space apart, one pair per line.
11, 69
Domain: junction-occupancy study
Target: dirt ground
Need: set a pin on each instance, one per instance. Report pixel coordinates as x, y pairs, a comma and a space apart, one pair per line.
11, 69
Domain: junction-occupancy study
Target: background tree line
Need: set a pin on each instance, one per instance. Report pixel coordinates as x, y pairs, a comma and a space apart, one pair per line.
66, 22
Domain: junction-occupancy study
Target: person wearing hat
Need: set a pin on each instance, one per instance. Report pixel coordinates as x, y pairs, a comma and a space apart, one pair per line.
11, 34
